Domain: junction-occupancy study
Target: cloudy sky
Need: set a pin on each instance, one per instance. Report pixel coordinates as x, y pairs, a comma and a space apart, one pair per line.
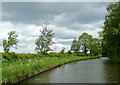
67, 20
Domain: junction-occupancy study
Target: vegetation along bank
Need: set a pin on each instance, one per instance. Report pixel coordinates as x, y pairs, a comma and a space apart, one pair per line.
16, 70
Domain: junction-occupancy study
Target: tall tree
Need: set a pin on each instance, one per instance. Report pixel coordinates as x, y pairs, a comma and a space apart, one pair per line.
44, 41
95, 48
111, 32
75, 46
11, 42
84, 41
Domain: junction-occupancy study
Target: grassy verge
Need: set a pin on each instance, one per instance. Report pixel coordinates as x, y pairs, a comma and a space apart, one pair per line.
14, 70
0, 69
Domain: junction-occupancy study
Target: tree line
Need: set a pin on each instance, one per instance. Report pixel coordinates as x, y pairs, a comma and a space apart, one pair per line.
108, 44
85, 42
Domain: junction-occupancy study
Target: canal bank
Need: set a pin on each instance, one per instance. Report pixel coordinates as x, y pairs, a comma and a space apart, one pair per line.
99, 70
61, 62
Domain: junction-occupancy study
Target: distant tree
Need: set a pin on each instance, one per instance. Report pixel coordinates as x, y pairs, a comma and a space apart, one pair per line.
95, 48
69, 52
75, 46
111, 31
84, 41
44, 41
63, 50
11, 42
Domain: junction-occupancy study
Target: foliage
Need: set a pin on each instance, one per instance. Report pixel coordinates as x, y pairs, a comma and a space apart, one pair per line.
95, 46
79, 54
69, 52
11, 42
111, 32
115, 59
44, 41
75, 46
84, 41
63, 49
16, 57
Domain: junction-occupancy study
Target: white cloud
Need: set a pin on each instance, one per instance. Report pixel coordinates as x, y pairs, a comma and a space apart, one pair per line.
61, 40
28, 33
58, 47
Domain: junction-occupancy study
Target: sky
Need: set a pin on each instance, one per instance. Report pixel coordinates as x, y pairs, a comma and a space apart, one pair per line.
67, 20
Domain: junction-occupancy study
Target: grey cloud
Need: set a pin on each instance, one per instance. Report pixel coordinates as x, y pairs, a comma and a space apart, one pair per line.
38, 12
61, 14
65, 42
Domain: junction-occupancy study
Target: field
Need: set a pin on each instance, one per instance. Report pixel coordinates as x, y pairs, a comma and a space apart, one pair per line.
14, 70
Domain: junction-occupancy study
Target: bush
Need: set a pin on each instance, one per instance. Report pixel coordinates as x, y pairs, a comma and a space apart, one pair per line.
69, 52
78, 54
13, 55
5, 56
28, 56
21, 56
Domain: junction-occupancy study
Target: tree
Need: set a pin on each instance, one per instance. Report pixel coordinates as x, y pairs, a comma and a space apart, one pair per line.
103, 49
44, 41
111, 31
69, 52
63, 50
84, 41
11, 42
75, 46
95, 46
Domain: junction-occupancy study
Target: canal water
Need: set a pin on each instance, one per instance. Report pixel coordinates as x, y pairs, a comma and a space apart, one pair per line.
87, 71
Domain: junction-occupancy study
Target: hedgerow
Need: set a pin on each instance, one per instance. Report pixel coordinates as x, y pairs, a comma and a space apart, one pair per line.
13, 56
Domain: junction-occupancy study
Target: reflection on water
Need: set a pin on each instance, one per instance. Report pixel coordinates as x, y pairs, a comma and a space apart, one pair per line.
88, 71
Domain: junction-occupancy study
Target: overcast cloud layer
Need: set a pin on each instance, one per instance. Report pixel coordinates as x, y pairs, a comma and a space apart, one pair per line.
68, 20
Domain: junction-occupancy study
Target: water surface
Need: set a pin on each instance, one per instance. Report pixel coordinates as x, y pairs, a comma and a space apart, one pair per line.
88, 71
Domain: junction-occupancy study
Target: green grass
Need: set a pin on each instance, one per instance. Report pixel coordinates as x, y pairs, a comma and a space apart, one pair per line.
13, 70
0, 69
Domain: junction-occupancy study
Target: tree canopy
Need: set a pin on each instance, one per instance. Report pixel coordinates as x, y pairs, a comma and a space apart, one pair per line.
84, 41
75, 46
44, 41
111, 31
11, 42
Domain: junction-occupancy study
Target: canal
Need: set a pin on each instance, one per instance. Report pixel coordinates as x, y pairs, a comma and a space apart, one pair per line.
100, 70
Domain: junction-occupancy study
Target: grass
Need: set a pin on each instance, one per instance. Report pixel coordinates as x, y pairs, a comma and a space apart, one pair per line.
13, 70
0, 69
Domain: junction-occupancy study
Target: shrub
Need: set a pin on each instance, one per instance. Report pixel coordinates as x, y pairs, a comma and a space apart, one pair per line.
78, 54
21, 56
69, 52
5, 56
13, 55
